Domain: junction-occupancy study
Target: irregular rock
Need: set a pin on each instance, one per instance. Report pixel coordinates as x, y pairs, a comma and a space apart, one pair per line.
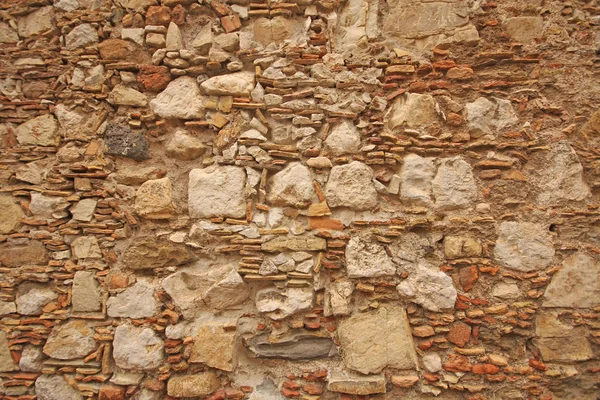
154, 78
134, 34
524, 29
273, 30
46, 206
137, 348
121, 141
523, 246
81, 36
7, 364
561, 177
31, 173
86, 247
30, 253
344, 138
486, 116
415, 179
374, 340
576, 284
196, 385
356, 384
217, 191
294, 243
7, 307
136, 301
86, 295
203, 40
10, 215
205, 286
454, 185
84, 210
122, 95
215, 347
118, 49
460, 246
295, 346
339, 293
366, 258
37, 22
351, 185
413, 110
428, 287
55, 387
505, 290
71, 340
147, 252
174, 39
181, 99
432, 362
292, 186
281, 303
7, 34
559, 342
154, 199
184, 147
39, 131
32, 297
32, 359
158, 15
236, 84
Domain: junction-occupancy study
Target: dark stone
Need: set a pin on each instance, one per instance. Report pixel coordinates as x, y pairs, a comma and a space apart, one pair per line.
121, 141
147, 252
297, 346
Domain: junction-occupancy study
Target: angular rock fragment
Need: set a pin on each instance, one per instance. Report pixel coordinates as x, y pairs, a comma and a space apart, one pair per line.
36, 22
86, 247
86, 295
147, 252
236, 84
294, 243
523, 246
8, 34
559, 342
39, 131
122, 95
55, 387
295, 346
30, 253
524, 29
292, 186
415, 179
489, 116
351, 185
357, 384
215, 347
281, 303
412, 110
184, 147
217, 191
121, 141
365, 258
344, 138
153, 199
71, 340
374, 340
136, 301
32, 297
84, 210
10, 215
47, 206
429, 287
576, 284
181, 99
81, 36
454, 185
197, 385
137, 348
7, 364
32, 359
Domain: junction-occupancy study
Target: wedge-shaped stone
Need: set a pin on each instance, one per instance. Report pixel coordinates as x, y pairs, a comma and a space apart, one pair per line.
281, 303
412, 110
429, 287
181, 99
215, 347
292, 186
377, 339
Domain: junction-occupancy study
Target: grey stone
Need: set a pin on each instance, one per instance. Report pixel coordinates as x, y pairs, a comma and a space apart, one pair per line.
137, 348
432, 362
7, 307
46, 206
281, 303
523, 246
576, 284
429, 287
377, 339
489, 116
70, 340
454, 185
36, 22
292, 186
365, 258
412, 110
7, 364
81, 36
39, 131
147, 252
7, 34
55, 387
294, 346
217, 191
86, 294
181, 99
351, 185
122, 95
32, 297
236, 84
524, 29
121, 141
10, 215
136, 301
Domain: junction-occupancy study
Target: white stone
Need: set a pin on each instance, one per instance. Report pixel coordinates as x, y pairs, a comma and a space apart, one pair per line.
137, 348
576, 284
281, 303
508, 291
485, 116
55, 387
432, 362
32, 297
412, 110
236, 84
344, 138
181, 99
39, 131
84, 210
431, 288
81, 36
416, 175
46, 206
523, 246
351, 185
454, 185
136, 301
123, 95
292, 186
365, 258
217, 191
86, 295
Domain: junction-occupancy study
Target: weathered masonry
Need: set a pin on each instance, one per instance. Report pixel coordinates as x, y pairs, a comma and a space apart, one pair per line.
299, 199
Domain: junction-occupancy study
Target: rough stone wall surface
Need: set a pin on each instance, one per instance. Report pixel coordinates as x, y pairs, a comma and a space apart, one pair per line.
305, 199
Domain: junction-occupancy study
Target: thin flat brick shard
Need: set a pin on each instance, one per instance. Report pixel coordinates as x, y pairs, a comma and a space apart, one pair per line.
316, 200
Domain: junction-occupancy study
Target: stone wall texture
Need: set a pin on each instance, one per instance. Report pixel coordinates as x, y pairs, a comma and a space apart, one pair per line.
303, 199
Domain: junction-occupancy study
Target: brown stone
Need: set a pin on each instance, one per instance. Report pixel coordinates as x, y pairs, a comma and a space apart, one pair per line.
197, 385
158, 15
459, 334
484, 369
231, 23
457, 363
404, 381
123, 50
325, 223
30, 253
154, 77
423, 331
111, 393
178, 15
468, 277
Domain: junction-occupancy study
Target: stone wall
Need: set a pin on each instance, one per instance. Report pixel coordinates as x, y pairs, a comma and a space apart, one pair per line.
310, 199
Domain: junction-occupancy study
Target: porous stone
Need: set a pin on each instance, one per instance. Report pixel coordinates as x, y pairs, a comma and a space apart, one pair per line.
146, 252
10, 215
81, 36
184, 147
39, 131
153, 199
523, 246
30, 253
412, 110
377, 339
351, 185
292, 186
356, 384
489, 116
121, 141
32, 297
136, 301
524, 29
86, 294
295, 346
281, 303
428, 287
576, 284
196, 385
55, 387
71, 340
37, 22
137, 348
122, 95
236, 84
217, 191
416, 176
215, 347
365, 258
344, 138
454, 185
181, 99
32, 359
154, 78
7, 364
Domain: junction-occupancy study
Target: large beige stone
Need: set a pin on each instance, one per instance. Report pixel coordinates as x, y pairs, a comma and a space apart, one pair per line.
73, 339
137, 348
123, 95
292, 186
36, 22
416, 175
236, 84
273, 30
153, 199
351, 185
294, 243
576, 284
136, 301
344, 138
215, 347
196, 385
10, 215
55, 387
181, 99
429, 287
86, 294
412, 110
524, 29
7, 364
377, 339
366, 258
560, 342
281, 303
356, 384
454, 185
147, 252
32, 297
39, 131
32, 252
184, 147
523, 246
217, 191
